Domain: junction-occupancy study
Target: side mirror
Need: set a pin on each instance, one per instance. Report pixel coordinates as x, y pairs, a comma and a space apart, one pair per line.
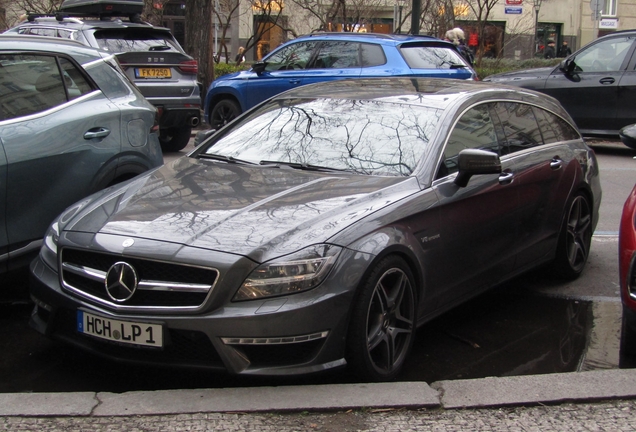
628, 136
567, 66
259, 67
473, 162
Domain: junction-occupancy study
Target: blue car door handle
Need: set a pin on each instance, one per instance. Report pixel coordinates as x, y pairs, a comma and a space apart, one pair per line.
556, 163
294, 81
99, 132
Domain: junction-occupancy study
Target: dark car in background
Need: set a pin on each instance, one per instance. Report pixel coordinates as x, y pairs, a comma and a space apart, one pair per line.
596, 84
321, 228
70, 124
151, 57
322, 57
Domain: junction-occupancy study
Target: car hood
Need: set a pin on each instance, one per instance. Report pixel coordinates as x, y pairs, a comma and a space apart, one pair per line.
527, 74
255, 211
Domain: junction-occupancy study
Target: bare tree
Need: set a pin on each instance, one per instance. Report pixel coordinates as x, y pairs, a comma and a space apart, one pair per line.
481, 10
226, 10
198, 37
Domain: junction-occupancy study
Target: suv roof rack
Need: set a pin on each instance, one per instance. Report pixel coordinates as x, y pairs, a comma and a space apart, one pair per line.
75, 17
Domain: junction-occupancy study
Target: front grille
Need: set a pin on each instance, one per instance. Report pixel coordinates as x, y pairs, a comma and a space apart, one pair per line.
161, 284
181, 347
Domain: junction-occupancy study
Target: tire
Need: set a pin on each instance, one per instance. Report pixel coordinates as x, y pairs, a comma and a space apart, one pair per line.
382, 323
174, 139
573, 246
224, 112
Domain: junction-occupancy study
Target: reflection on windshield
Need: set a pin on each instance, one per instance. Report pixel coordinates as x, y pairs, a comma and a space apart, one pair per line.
366, 137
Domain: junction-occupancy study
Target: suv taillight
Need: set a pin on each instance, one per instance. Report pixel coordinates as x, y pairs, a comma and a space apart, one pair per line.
189, 67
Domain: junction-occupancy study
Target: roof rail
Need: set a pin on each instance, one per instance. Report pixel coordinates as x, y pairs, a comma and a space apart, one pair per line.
369, 35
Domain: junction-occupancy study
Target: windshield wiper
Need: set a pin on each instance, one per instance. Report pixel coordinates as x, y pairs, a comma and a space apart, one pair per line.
300, 166
228, 159
159, 48
457, 66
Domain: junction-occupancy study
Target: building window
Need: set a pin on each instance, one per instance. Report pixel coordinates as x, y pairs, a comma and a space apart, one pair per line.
609, 8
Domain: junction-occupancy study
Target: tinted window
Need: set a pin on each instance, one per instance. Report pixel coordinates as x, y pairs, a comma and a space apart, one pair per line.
29, 84
604, 56
110, 79
366, 137
117, 41
294, 56
562, 129
520, 126
547, 131
430, 57
337, 55
372, 55
474, 130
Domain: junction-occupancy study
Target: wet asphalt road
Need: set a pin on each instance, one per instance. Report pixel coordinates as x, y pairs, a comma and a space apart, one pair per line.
528, 326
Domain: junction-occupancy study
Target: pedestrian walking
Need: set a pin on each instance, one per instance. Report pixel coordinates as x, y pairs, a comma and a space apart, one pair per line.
549, 52
240, 56
564, 50
457, 37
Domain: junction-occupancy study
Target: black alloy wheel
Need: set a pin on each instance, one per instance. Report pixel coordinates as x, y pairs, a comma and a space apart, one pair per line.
224, 112
383, 322
575, 239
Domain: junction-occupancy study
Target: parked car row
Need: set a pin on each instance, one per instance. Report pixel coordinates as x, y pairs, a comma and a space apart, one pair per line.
316, 228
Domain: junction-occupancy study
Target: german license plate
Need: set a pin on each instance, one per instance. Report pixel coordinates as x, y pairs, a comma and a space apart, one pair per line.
153, 73
127, 332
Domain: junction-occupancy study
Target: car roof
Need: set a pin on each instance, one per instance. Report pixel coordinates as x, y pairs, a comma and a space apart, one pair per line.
45, 43
391, 39
431, 92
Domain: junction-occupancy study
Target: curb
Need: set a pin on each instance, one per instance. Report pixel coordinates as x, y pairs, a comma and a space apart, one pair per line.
476, 393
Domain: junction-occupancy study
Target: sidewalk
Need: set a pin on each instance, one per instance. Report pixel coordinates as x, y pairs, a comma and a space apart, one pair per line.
536, 402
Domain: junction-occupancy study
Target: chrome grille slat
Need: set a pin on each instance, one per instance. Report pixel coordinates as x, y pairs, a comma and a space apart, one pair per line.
163, 286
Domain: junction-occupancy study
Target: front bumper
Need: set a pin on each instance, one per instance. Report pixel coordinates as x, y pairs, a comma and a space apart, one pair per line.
290, 335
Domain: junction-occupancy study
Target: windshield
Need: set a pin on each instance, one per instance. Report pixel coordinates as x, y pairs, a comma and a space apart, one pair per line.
365, 137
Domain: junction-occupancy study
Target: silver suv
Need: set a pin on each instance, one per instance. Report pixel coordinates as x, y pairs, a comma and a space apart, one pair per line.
152, 59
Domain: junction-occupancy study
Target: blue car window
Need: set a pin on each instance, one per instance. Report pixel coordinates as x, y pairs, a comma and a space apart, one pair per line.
372, 55
30, 84
294, 56
431, 57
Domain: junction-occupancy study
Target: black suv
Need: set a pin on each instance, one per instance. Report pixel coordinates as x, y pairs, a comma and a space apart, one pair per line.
151, 57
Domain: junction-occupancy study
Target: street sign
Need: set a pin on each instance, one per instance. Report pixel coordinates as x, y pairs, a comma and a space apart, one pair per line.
513, 9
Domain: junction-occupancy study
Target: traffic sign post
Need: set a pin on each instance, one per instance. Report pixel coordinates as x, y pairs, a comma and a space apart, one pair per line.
597, 9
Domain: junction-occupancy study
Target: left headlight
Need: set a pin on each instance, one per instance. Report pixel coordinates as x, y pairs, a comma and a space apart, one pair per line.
300, 271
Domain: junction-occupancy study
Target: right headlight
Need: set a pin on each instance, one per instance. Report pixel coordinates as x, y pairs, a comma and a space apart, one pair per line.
290, 274
48, 252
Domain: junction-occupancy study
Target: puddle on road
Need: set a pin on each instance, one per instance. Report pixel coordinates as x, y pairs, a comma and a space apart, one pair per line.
500, 334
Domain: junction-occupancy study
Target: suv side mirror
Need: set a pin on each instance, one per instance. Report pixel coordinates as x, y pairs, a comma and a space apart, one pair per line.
567, 66
259, 67
472, 162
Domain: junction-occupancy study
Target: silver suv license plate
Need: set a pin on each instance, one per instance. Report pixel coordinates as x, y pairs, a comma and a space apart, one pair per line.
128, 332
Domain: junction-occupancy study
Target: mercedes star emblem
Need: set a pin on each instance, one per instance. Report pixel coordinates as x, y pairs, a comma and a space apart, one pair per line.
121, 281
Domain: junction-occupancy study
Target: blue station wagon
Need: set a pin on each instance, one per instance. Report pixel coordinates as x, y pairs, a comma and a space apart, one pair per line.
322, 57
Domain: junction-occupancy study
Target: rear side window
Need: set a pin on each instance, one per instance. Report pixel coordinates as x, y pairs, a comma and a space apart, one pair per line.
372, 55
117, 41
554, 128
431, 57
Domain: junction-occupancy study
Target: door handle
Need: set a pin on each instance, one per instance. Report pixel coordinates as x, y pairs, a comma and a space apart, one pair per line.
556, 163
99, 132
294, 81
609, 80
506, 177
